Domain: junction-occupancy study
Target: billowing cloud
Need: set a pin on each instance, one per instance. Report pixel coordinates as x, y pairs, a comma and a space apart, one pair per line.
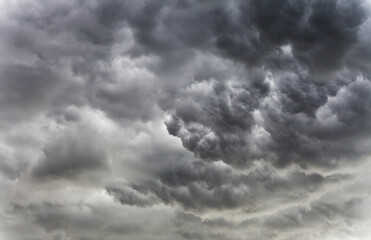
185, 119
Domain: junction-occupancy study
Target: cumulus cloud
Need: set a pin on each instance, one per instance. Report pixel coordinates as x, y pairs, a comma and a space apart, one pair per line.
185, 119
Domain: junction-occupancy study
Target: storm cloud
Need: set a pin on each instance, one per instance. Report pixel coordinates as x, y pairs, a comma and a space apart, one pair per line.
159, 119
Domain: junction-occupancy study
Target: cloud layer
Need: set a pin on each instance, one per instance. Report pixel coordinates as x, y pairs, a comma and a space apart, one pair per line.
188, 119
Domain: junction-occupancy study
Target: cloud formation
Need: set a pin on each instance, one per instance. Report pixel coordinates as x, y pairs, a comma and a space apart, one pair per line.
185, 119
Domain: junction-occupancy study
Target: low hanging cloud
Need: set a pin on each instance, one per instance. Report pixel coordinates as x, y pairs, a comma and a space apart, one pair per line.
185, 119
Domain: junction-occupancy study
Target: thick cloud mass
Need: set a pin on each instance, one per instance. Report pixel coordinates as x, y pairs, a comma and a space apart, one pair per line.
162, 119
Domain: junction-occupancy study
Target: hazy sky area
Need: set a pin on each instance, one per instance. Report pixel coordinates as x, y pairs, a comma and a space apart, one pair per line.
185, 120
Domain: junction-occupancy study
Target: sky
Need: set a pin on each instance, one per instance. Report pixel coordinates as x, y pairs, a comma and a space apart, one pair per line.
185, 120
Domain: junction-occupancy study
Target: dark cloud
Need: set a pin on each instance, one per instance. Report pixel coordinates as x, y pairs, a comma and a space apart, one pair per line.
185, 119
321, 34
286, 121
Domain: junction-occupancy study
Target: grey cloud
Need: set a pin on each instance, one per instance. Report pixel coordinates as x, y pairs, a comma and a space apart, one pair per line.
264, 103
26, 90
82, 45
291, 117
310, 27
251, 32
122, 98
10, 169
75, 221
132, 197
211, 128
193, 227
304, 217
203, 186
334, 214
320, 215
86, 220
359, 57
12, 165
71, 154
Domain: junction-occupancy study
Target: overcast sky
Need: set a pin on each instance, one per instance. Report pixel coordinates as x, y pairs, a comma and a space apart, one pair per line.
185, 120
